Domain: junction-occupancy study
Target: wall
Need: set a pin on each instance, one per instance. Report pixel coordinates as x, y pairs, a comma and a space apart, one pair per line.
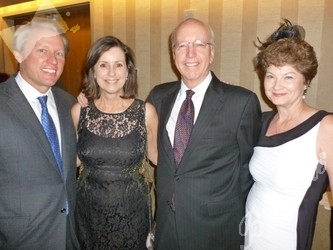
145, 25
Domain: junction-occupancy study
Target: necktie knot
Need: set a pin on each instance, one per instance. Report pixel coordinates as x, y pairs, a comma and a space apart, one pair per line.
43, 101
189, 93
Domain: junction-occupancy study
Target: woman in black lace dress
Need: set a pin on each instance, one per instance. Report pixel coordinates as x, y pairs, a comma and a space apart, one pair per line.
114, 131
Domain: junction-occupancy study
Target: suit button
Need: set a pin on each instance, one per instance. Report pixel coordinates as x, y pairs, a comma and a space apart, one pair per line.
176, 178
63, 210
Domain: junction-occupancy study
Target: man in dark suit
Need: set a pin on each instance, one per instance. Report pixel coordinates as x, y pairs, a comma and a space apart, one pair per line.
201, 200
37, 192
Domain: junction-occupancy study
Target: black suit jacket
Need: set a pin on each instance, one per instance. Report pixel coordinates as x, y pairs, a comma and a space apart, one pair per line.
32, 191
209, 187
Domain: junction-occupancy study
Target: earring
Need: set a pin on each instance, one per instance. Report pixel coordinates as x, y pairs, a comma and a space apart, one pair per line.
305, 90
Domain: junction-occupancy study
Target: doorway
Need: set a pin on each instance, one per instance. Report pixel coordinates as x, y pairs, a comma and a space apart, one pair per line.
77, 19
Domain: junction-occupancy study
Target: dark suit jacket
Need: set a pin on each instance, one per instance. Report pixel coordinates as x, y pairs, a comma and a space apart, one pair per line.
210, 186
32, 190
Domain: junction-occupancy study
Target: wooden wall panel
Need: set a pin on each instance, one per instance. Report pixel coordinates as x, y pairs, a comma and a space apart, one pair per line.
75, 14
80, 41
78, 34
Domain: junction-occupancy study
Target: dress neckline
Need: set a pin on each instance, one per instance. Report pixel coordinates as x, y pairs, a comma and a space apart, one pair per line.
119, 113
295, 132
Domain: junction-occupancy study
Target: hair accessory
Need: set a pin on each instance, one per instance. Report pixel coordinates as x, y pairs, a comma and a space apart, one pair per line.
286, 30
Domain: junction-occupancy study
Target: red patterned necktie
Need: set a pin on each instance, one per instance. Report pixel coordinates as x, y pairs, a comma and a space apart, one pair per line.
184, 126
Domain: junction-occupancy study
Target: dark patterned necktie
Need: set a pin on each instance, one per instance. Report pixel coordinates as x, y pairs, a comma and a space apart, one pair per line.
184, 126
50, 131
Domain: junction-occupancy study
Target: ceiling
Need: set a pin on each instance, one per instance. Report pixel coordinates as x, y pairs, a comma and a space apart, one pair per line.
4, 3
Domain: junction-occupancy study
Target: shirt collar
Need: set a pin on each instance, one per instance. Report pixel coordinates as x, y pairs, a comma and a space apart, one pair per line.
200, 88
30, 92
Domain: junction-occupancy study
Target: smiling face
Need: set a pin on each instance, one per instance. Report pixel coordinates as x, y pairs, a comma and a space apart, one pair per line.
193, 60
111, 71
284, 86
42, 59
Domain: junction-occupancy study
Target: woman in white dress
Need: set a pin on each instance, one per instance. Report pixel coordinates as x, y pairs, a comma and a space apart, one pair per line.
293, 161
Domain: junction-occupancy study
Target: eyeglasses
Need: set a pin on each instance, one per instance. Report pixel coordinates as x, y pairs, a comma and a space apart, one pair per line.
182, 46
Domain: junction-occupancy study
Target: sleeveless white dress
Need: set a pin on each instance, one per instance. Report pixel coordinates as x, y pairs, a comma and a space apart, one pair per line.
281, 208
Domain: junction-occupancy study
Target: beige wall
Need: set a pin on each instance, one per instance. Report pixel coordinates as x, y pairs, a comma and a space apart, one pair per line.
145, 25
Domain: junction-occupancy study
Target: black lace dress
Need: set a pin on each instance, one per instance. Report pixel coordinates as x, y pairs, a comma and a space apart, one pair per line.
112, 208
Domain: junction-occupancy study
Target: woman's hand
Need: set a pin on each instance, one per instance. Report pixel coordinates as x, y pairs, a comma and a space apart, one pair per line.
83, 101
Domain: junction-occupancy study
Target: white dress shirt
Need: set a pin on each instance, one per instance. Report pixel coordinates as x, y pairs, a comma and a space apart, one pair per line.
32, 94
197, 99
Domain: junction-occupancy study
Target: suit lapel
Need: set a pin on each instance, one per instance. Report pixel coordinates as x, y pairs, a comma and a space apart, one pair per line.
166, 108
64, 120
61, 110
212, 103
25, 114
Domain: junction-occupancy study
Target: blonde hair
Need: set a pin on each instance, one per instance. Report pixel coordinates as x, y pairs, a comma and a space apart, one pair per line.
23, 33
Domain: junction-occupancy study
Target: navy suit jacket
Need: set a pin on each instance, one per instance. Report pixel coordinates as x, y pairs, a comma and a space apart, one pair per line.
201, 203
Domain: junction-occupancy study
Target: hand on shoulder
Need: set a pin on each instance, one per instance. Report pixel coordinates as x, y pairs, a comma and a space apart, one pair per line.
83, 101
